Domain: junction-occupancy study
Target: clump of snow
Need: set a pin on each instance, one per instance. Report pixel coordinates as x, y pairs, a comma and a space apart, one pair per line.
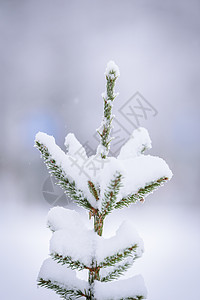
112, 67
70, 235
60, 218
74, 147
101, 150
61, 275
142, 171
137, 144
131, 287
78, 243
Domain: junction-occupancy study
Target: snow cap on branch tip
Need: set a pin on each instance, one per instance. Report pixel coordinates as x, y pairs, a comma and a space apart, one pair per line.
44, 138
112, 69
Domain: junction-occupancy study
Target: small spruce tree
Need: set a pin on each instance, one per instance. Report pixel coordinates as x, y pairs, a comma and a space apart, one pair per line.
100, 184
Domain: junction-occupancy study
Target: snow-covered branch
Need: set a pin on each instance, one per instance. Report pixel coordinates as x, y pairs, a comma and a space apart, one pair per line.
57, 162
62, 280
141, 194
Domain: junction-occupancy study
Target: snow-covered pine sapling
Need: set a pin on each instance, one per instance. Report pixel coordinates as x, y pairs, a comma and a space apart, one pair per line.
116, 183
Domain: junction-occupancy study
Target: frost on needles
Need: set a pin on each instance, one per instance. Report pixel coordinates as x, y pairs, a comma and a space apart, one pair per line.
119, 182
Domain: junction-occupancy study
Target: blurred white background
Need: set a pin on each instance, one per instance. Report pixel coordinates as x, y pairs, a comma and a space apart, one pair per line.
53, 55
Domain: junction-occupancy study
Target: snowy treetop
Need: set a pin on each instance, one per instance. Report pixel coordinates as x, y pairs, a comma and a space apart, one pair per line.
111, 69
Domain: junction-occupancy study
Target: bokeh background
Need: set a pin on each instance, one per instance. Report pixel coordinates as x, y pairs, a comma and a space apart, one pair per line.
53, 55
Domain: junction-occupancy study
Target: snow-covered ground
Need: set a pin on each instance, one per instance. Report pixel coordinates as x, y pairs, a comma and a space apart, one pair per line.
170, 265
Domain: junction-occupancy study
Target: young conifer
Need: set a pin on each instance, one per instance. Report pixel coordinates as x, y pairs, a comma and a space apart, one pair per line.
116, 183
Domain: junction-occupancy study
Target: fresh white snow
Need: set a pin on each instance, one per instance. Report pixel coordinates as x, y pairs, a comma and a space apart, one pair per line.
60, 218
130, 287
74, 147
61, 275
137, 143
78, 244
111, 66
